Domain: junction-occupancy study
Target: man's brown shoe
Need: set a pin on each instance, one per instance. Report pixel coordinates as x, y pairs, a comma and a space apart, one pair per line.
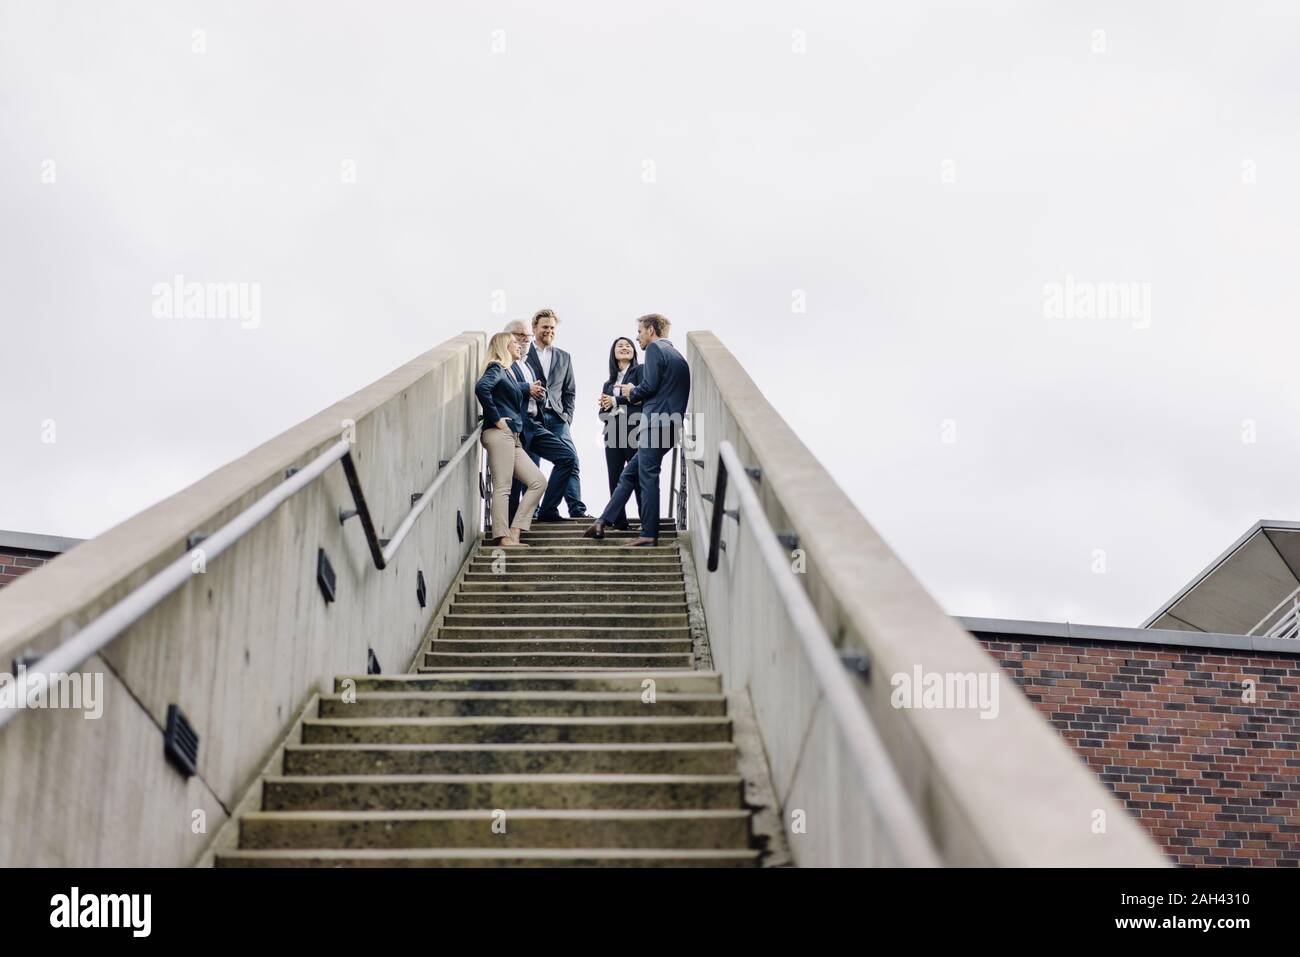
595, 530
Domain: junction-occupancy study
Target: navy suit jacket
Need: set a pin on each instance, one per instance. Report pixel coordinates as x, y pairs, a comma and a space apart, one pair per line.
502, 396
663, 393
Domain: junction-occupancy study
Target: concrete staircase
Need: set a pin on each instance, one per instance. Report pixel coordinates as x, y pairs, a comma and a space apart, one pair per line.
554, 719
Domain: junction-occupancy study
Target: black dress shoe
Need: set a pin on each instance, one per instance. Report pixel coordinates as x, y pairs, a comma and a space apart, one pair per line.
579, 515
595, 530
555, 517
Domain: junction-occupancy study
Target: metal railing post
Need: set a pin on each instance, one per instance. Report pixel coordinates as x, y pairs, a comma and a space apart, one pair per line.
715, 521
681, 491
672, 486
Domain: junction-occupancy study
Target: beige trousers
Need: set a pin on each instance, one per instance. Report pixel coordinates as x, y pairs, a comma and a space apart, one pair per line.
508, 461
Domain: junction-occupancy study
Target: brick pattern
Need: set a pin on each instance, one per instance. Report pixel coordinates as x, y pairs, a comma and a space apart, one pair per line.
19, 561
1214, 779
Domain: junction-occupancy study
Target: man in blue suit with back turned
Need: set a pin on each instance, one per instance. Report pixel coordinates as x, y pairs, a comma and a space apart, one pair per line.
664, 390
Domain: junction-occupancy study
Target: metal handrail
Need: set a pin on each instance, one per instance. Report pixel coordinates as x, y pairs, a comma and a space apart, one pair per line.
444, 469
1288, 626
1294, 599
903, 827
107, 626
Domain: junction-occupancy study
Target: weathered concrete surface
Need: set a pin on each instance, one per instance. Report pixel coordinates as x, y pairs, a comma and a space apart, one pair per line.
1004, 791
494, 857
242, 646
503, 750
529, 828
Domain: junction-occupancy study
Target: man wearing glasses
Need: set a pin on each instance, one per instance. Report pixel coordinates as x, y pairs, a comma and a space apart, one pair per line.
548, 372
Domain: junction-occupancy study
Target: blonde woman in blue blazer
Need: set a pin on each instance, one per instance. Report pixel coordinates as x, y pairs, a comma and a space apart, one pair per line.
504, 400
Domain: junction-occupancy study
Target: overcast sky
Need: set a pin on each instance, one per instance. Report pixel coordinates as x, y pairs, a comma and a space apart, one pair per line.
919, 179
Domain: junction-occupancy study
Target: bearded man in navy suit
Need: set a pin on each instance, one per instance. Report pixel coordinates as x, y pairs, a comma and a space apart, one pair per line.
547, 371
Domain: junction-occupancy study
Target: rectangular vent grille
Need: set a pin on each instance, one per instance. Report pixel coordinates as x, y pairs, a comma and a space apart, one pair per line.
181, 742
325, 575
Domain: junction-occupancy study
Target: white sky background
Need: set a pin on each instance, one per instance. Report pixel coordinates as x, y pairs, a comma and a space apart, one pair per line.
775, 172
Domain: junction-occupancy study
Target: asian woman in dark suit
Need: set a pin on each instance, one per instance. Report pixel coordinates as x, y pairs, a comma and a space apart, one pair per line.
619, 418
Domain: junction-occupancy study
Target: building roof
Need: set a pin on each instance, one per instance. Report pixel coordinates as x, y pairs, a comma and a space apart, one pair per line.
1072, 631
1241, 588
37, 543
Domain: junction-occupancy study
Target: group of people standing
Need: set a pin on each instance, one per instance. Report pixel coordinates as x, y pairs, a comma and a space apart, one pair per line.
527, 391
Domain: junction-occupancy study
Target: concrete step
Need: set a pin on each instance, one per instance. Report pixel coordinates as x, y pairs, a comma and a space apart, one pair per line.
649, 671
688, 757
497, 730
499, 584
505, 607
561, 659
528, 714
586, 646
576, 538
588, 550
458, 792
579, 528
576, 551
493, 857
668, 544
524, 704
559, 601
578, 533
665, 524
547, 617
709, 682
616, 544
575, 567
515, 632
624, 564
524, 828
599, 576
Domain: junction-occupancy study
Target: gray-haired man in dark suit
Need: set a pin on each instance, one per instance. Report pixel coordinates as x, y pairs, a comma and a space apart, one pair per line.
548, 372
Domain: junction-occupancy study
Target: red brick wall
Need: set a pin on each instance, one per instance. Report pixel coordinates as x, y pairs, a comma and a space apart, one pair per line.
1216, 781
19, 561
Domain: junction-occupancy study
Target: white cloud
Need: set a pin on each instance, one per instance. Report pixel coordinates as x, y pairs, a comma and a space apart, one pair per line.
822, 172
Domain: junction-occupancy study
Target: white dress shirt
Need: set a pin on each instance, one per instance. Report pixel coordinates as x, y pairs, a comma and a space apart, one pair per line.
618, 381
544, 356
529, 378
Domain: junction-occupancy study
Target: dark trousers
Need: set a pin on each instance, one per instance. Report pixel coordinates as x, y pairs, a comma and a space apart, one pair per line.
641, 470
616, 460
572, 488
549, 439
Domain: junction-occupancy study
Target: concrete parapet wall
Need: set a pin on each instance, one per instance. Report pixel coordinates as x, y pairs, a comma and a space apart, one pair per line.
989, 791
243, 645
